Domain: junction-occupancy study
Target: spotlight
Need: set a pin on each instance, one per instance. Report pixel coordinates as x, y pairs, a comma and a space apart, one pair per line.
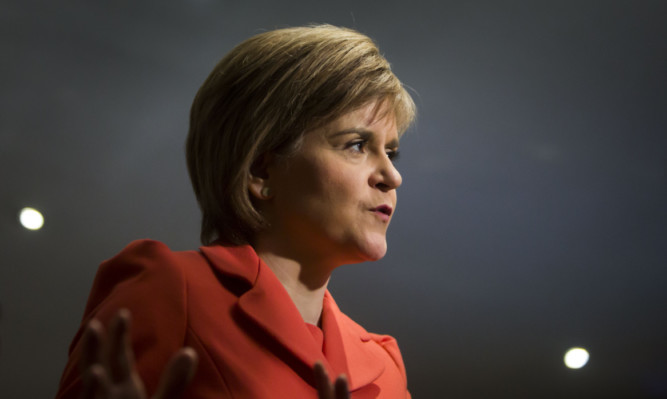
31, 219
576, 358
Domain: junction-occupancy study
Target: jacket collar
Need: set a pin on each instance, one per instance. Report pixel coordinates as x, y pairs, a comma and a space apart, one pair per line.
347, 346
267, 303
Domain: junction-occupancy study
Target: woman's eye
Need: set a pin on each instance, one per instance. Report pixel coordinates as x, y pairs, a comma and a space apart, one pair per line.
357, 146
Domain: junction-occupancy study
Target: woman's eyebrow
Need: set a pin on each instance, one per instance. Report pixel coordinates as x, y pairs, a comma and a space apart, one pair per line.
365, 135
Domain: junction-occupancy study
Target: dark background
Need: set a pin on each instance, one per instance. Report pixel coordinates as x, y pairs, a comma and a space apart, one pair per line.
532, 218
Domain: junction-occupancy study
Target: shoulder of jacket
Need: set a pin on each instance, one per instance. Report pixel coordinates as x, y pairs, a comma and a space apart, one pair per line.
144, 262
150, 253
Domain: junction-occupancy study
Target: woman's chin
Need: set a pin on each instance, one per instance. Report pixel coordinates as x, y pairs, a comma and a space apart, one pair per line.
374, 249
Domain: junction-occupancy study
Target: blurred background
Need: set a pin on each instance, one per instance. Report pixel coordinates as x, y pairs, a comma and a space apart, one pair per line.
532, 218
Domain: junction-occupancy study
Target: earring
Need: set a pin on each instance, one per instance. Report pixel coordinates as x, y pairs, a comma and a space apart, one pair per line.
266, 192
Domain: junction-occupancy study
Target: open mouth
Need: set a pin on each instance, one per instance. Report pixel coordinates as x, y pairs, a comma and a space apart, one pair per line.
386, 209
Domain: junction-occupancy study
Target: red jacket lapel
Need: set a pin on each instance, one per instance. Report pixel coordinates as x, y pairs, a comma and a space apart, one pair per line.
348, 347
267, 302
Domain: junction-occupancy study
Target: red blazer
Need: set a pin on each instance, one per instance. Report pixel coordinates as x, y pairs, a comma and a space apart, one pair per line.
229, 306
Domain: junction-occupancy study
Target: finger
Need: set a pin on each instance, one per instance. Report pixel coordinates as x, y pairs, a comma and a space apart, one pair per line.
324, 389
177, 375
91, 345
340, 387
96, 384
119, 351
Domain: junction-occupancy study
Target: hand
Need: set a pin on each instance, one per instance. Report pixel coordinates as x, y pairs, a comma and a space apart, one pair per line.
324, 388
107, 364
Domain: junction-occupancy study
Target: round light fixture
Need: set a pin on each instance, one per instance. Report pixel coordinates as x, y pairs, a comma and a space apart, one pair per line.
31, 219
576, 358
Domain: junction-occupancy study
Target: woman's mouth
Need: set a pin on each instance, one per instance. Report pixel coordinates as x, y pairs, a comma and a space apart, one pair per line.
383, 212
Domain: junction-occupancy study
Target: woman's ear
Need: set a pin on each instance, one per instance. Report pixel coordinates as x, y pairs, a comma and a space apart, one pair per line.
259, 188
258, 180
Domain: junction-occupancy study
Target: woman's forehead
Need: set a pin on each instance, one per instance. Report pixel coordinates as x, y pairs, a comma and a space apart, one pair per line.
367, 116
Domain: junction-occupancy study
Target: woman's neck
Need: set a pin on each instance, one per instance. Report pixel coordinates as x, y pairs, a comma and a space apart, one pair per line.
304, 282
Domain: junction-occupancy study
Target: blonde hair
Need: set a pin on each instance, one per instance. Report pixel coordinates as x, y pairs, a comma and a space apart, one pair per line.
262, 97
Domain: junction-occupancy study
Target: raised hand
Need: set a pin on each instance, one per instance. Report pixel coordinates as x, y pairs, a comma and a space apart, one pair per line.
325, 390
107, 365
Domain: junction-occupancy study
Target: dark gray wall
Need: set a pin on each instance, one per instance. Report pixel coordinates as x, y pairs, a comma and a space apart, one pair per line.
532, 216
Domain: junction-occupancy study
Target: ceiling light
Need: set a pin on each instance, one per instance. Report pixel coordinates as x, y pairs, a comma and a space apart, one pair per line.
576, 358
31, 219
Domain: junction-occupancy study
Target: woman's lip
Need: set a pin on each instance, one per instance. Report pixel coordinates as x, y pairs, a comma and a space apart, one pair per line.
383, 216
383, 212
383, 209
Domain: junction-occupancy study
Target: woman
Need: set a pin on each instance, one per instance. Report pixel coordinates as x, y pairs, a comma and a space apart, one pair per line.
290, 151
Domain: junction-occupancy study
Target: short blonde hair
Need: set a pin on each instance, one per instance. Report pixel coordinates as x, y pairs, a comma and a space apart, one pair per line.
262, 97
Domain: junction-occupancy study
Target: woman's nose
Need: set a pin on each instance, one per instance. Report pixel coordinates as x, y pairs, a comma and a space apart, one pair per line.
387, 176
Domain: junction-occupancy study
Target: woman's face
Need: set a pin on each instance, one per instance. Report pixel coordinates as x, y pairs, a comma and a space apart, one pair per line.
332, 200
